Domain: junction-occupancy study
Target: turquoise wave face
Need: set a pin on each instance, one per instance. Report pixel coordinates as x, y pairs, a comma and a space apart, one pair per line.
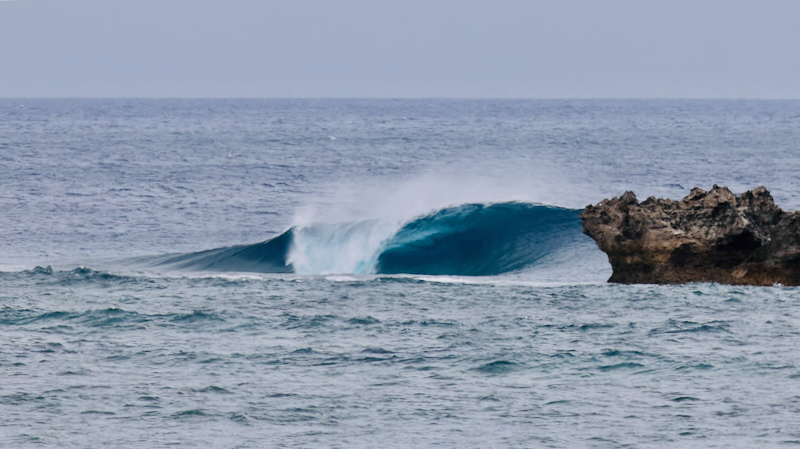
465, 240
480, 240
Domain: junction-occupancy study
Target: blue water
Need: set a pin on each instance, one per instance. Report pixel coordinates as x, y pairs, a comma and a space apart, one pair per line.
464, 240
377, 273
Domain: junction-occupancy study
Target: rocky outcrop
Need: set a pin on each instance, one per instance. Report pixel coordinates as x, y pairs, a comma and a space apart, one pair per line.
713, 236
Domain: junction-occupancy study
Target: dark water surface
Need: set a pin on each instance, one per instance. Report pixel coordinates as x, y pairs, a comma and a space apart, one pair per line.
137, 338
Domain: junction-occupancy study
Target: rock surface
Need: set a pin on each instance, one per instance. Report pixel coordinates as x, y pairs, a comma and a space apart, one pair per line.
713, 236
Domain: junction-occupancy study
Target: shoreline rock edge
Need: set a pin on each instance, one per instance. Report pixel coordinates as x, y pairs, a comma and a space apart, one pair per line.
713, 236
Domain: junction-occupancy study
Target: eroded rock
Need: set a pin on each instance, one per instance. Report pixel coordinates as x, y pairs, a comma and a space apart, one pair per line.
712, 236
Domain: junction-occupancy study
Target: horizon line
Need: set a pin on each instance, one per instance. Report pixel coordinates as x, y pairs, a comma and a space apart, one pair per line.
400, 98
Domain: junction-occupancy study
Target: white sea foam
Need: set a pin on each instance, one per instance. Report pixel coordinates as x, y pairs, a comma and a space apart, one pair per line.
351, 247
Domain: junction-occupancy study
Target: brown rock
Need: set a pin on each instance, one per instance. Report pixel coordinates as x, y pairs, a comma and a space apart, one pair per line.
713, 236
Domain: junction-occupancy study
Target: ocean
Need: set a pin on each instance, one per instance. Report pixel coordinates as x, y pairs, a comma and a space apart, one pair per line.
378, 273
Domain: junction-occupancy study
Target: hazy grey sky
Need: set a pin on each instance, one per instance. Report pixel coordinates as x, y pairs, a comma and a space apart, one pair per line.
408, 48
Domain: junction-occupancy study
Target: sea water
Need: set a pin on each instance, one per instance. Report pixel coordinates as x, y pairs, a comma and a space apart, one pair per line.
377, 273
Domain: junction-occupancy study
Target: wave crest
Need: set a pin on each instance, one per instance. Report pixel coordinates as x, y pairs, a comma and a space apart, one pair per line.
465, 240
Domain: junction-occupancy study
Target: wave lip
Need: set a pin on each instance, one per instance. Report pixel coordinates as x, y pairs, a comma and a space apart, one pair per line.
466, 240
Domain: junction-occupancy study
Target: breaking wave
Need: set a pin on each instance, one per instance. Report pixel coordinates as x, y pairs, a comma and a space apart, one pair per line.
464, 240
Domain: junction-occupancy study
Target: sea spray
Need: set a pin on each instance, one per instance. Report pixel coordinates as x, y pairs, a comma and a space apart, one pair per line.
347, 227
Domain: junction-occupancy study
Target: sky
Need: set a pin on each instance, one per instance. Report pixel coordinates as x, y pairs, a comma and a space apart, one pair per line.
400, 49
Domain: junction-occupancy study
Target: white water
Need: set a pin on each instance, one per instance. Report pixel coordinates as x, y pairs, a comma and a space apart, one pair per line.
340, 248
